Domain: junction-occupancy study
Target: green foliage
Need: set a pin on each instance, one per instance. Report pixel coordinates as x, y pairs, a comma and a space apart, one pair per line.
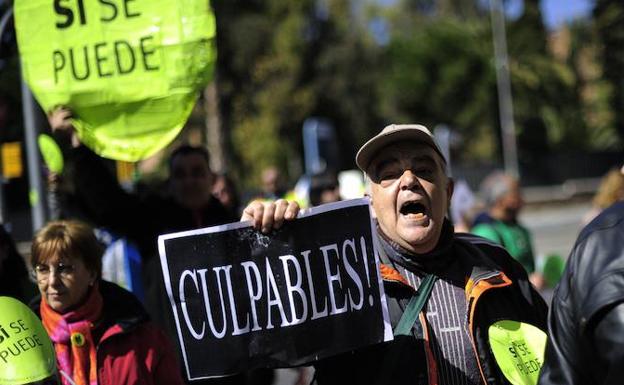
440, 72
609, 22
282, 61
260, 80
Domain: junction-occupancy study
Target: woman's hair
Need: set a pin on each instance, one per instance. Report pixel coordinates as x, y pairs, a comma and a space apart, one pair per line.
611, 189
67, 239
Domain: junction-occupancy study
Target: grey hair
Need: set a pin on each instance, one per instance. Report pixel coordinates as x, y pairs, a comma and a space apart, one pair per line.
495, 186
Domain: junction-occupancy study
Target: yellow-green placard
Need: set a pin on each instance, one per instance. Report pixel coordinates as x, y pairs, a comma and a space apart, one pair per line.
26, 352
518, 348
129, 69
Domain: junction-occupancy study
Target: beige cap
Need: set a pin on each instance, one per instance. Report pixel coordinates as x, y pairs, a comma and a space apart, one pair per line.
394, 133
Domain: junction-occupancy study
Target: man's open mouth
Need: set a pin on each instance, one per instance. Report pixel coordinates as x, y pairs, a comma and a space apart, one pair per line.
413, 208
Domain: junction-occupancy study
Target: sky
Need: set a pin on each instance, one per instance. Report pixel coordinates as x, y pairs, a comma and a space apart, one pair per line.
555, 12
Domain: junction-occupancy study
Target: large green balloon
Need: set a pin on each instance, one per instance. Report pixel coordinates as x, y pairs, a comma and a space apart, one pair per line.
129, 69
26, 352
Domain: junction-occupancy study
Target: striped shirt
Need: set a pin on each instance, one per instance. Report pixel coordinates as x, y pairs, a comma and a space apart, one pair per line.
450, 338
446, 312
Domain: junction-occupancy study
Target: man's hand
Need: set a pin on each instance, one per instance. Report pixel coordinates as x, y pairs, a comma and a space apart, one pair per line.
60, 122
267, 216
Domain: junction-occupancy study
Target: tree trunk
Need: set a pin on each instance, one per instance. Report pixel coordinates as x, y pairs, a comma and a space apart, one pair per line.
215, 135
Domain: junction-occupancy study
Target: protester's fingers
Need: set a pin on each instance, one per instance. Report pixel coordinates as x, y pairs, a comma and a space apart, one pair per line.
268, 217
254, 212
60, 119
64, 113
281, 205
291, 211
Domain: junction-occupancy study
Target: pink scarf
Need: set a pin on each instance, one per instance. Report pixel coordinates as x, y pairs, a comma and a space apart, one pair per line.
71, 334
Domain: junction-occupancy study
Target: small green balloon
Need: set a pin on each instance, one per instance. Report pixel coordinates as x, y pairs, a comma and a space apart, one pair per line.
553, 269
51, 152
518, 348
22, 332
33, 197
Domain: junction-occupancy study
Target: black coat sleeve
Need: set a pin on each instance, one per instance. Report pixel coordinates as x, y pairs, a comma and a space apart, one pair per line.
106, 203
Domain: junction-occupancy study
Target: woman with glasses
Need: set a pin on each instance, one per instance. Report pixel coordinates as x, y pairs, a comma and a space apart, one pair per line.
101, 332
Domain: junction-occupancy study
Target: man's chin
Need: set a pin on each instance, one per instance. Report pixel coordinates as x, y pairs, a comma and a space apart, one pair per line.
418, 243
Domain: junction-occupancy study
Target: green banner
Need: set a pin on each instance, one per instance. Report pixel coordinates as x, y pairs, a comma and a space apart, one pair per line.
518, 348
130, 70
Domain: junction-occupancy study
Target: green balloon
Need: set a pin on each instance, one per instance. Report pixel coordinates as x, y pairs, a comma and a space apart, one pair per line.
518, 348
51, 153
26, 352
553, 269
129, 71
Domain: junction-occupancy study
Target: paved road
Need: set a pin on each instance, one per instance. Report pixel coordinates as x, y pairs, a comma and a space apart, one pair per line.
555, 227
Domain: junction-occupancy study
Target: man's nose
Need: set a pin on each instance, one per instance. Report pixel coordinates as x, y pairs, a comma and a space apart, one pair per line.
409, 180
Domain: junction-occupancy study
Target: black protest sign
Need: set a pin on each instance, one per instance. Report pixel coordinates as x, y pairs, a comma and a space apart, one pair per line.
307, 291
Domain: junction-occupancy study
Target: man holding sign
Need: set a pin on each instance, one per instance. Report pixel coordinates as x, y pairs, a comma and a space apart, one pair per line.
463, 311
242, 299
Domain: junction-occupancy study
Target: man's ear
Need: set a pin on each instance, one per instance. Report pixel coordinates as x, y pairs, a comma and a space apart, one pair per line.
450, 186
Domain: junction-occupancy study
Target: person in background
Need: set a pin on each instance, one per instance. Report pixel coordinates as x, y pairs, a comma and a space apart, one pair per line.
469, 283
324, 188
272, 184
463, 207
503, 199
610, 190
224, 189
101, 333
586, 319
14, 279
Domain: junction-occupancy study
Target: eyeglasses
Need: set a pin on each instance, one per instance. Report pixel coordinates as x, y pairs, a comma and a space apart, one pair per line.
42, 272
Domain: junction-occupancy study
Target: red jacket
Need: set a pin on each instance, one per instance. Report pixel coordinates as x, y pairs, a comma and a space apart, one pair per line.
142, 355
131, 350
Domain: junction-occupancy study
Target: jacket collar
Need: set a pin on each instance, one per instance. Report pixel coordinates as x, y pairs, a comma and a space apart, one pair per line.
483, 272
432, 262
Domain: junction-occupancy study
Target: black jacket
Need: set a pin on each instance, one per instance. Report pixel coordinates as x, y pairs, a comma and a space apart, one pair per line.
141, 219
586, 322
497, 288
